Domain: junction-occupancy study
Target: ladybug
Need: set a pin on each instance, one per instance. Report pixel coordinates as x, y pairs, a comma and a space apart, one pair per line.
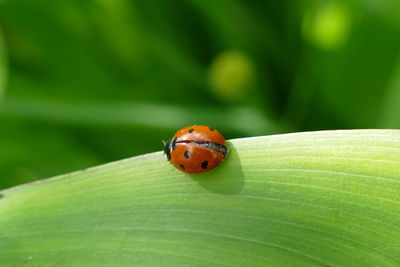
196, 149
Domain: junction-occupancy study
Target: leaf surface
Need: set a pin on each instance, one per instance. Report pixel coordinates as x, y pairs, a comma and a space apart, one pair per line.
326, 198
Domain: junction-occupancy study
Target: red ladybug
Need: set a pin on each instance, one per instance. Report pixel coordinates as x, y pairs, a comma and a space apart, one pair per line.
196, 149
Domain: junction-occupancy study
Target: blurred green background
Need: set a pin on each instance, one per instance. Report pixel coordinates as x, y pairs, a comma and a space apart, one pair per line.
85, 82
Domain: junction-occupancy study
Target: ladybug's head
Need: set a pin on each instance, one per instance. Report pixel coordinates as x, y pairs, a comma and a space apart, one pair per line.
168, 146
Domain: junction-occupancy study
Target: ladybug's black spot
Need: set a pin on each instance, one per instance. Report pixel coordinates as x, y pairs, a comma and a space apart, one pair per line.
186, 154
181, 166
191, 130
211, 129
204, 164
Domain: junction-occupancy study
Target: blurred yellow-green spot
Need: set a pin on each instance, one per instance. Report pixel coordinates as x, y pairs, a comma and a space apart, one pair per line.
327, 27
231, 74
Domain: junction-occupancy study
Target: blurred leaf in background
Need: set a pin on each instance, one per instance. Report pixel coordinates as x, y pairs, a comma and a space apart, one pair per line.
93, 81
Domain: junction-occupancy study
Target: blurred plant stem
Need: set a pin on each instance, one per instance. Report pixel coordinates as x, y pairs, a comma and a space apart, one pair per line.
301, 93
3, 67
390, 117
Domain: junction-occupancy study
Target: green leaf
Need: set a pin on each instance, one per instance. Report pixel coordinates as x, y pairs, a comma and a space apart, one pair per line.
319, 198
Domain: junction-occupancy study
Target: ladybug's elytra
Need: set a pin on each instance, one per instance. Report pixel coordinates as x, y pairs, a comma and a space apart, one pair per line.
196, 149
